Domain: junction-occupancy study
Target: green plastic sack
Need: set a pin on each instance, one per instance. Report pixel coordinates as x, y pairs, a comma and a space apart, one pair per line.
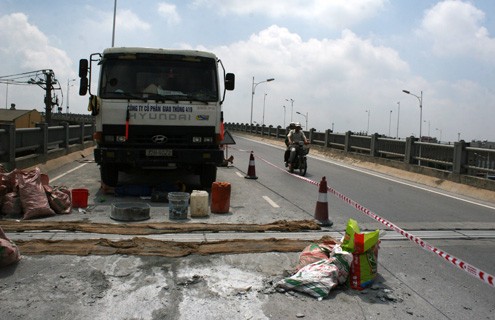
357, 242
364, 248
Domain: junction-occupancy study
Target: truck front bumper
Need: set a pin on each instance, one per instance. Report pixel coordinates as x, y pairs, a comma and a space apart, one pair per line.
138, 157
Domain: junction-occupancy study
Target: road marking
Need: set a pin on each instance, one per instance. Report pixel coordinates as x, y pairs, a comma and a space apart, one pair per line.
382, 176
271, 202
72, 170
239, 174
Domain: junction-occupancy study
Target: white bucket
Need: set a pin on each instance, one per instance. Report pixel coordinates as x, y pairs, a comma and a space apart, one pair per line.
199, 204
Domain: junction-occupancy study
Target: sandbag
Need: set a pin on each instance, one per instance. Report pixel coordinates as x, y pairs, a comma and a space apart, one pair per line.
59, 198
11, 205
9, 252
318, 278
33, 197
315, 252
364, 248
9, 180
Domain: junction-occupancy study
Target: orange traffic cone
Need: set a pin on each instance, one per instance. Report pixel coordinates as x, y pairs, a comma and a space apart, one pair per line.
321, 211
251, 174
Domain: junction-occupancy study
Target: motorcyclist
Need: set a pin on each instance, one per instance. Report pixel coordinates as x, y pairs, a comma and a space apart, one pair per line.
295, 136
291, 126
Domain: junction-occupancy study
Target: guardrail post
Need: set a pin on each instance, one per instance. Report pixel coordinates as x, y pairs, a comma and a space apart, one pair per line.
66, 136
347, 144
277, 132
327, 138
409, 148
311, 135
81, 135
43, 140
373, 144
460, 157
9, 146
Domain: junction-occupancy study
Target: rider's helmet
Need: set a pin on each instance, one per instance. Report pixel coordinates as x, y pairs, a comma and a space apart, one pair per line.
292, 125
297, 125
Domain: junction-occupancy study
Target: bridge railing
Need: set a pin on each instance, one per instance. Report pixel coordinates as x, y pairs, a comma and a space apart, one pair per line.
458, 159
26, 147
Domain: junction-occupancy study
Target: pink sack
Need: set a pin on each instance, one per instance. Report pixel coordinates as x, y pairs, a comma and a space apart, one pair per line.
59, 198
33, 197
11, 205
9, 252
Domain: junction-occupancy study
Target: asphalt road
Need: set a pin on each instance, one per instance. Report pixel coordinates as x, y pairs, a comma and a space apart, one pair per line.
412, 282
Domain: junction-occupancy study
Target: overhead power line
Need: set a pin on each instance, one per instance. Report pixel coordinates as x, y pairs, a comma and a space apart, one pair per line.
45, 79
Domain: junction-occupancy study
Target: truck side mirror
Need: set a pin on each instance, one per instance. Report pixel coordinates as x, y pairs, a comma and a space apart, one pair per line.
83, 68
83, 86
229, 81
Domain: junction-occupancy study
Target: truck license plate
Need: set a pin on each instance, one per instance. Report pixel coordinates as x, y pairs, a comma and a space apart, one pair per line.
158, 152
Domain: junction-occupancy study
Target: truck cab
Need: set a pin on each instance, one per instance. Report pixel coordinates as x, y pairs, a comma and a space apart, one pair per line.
156, 108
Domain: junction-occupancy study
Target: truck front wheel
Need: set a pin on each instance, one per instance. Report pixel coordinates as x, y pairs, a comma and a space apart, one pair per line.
208, 175
109, 174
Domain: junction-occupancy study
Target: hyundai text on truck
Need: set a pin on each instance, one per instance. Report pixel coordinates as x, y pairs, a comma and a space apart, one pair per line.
156, 108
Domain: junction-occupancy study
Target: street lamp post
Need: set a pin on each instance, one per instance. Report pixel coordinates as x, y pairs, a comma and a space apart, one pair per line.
398, 113
284, 115
389, 122
263, 119
428, 127
114, 16
440, 139
291, 107
306, 117
6, 94
253, 88
68, 86
368, 127
420, 99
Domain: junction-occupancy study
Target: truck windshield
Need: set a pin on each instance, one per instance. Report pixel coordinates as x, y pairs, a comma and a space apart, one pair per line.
159, 79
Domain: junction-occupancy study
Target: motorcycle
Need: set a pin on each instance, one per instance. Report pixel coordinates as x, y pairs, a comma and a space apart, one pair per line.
299, 162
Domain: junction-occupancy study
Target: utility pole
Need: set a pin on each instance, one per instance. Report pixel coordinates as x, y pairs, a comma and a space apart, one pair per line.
48, 97
45, 79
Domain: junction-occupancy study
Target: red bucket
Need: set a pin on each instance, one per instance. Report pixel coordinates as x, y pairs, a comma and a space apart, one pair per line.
80, 198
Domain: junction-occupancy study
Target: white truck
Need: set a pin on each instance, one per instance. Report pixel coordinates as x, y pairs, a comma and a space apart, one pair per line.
157, 108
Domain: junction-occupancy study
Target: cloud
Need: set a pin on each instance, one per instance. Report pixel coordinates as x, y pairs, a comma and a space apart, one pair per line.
24, 49
128, 21
335, 14
321, 75
455, 28
169, 12
25, 46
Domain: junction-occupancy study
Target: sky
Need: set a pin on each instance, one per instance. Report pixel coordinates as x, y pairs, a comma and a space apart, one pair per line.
337, 64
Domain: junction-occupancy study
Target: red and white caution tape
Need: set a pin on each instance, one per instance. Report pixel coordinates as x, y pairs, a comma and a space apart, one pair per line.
472, 270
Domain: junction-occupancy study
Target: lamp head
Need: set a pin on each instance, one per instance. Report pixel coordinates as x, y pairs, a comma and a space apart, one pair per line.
405, 91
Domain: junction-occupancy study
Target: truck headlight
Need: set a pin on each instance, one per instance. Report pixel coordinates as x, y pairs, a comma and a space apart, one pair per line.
196, 139
208, 139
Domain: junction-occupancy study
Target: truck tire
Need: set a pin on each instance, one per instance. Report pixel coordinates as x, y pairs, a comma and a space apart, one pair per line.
208, 175
109, 175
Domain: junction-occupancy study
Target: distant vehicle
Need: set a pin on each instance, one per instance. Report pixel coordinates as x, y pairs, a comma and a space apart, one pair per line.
299, 162
156, 108
429, 139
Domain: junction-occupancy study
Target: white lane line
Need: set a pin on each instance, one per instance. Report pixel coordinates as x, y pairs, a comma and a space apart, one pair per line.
271, 202
65, 173
239, 174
